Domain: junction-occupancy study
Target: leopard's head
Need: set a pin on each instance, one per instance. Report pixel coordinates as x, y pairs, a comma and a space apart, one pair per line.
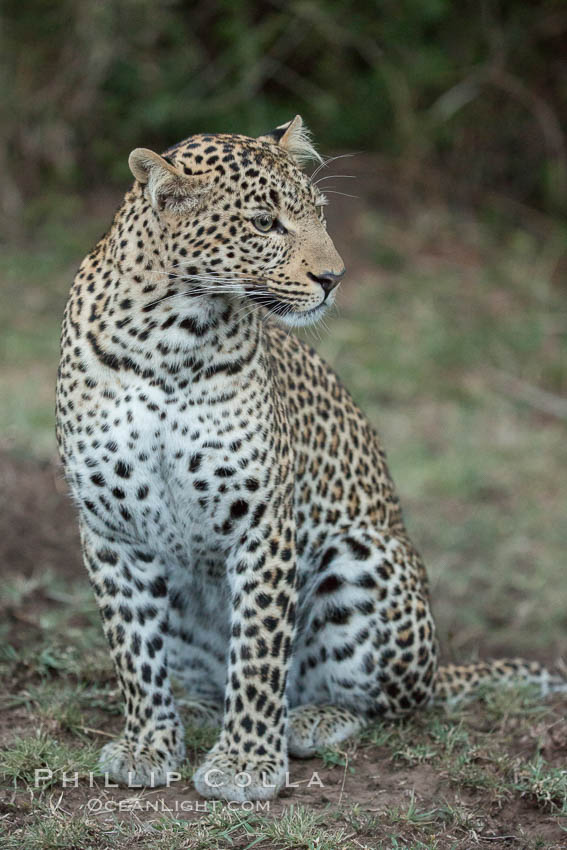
241, 218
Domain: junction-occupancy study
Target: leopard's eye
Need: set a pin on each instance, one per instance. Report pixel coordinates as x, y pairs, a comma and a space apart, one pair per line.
263, 222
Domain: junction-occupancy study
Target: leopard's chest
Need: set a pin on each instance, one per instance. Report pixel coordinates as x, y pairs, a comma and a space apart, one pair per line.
178, 474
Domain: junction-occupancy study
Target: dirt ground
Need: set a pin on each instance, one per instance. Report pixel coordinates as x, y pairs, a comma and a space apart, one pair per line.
37, 519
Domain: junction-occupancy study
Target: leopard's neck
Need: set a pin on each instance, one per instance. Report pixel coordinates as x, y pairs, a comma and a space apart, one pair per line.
174, 339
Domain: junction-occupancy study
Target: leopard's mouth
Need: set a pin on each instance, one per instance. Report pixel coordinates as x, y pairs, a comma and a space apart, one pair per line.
286, 312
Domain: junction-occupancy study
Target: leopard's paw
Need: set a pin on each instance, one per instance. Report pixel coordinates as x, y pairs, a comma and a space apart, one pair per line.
150, 761
224, 776
315, 727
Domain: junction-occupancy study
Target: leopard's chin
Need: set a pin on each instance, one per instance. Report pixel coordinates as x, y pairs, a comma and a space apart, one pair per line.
296, 319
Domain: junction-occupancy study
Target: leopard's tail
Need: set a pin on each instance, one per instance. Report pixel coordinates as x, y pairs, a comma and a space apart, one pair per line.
457, 682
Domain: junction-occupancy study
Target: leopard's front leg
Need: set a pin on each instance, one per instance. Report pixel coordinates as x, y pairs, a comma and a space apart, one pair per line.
249, 762
131, 591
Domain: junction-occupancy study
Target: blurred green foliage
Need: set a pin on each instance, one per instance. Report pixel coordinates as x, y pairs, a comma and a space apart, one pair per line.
473, 90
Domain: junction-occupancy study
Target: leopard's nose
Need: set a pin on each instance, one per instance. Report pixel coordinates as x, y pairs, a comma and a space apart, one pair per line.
327, 280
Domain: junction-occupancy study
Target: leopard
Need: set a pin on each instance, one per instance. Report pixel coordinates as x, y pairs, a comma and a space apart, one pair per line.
239, 525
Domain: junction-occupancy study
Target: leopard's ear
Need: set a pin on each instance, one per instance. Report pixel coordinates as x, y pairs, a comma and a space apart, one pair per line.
168, 188
295, 138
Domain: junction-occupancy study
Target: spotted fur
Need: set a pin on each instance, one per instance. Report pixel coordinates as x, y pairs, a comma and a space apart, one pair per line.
239, 525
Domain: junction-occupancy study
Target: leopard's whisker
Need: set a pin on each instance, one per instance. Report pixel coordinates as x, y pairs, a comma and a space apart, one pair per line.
327, 162
218, 289
344, 194
194, 293
332, 177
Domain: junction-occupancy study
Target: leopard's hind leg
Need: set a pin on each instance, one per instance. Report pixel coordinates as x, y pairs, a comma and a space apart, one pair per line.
366, 640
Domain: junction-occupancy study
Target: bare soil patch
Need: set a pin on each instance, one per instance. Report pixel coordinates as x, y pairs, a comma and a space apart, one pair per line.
38, 527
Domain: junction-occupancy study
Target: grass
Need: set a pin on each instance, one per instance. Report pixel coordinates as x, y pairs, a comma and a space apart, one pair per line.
40, 752
546, 785
297, 828
437, 323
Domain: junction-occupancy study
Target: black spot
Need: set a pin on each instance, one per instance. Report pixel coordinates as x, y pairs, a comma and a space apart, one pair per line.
146, 557
339, 616
107, 556
330, 584
263, 600
258, 514
328, 557
238, 509
124, 470
125, 613
359, 550
169, 322
158, 587
110, 586
366, 581
195, 462
157, 643
343, 652
193, 327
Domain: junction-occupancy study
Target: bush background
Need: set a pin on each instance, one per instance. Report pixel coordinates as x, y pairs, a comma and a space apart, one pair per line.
473, 92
